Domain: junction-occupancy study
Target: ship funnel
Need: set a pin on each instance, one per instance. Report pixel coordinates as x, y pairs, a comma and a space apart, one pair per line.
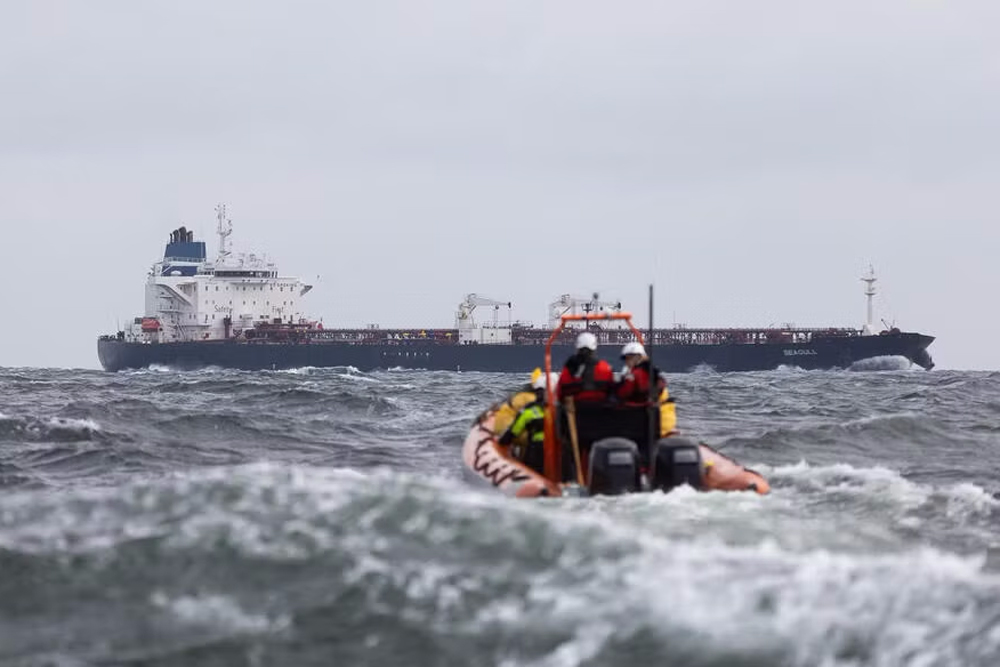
183, 248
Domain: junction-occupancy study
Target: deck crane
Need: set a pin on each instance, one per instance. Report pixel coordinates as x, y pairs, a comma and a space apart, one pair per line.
464, 319
574, 305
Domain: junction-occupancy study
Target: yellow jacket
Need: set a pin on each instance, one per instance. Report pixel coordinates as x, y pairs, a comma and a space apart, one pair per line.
668, 413
508, 410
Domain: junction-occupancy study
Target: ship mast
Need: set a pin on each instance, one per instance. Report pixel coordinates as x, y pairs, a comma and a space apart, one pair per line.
224, 230
869, 281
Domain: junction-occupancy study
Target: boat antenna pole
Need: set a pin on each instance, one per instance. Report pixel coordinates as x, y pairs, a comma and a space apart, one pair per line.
869, 280
653, 382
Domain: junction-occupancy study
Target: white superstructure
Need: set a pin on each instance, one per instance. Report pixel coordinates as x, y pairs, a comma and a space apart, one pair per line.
471, 332
568, 304
191, 298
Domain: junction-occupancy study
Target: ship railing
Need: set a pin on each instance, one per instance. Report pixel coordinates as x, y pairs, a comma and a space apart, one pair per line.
193, 260
386, 336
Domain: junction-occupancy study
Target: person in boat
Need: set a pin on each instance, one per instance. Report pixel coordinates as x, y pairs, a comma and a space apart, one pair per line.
585, 377
526, 435
632, 387
507, 411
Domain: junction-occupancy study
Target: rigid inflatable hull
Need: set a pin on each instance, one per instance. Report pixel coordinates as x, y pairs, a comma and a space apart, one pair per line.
486, 461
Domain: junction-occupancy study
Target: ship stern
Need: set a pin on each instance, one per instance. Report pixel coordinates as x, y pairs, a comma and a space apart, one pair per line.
109, 353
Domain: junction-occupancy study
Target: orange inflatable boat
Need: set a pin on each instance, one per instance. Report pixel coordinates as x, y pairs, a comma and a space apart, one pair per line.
614, 465
597, 448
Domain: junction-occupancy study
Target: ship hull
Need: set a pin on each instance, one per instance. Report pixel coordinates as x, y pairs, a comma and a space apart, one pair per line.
823, 353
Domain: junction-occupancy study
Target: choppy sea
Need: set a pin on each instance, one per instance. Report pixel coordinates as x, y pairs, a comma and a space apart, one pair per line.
321, 517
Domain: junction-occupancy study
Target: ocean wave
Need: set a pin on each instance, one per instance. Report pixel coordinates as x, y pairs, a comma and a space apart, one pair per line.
235, 516
841, 476
703, 369
217, 613
48, 429
789, 368
883, 363
575, 582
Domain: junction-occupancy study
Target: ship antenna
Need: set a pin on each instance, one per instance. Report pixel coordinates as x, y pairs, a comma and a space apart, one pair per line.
654, 382
225, 229
869, 280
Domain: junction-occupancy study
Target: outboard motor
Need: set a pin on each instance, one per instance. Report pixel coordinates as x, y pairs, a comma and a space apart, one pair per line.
676, 461
614, 467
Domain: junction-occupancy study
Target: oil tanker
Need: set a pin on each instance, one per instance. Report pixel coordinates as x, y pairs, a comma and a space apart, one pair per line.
237, 311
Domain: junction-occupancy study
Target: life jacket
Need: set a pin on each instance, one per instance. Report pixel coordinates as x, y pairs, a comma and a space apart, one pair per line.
586, 378
531, 422
668, 414
507, 411
633, 388
526, 436
634, 384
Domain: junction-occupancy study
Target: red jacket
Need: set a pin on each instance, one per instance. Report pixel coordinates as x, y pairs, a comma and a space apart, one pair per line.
586, 378
634, 385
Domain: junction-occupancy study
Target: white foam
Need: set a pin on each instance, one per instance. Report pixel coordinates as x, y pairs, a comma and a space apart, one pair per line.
836, 472
876, 419
963, 499
790, 368
703, 369
592, 571
968, 500
813, 606
883, 363
217, 611
304, 370
84, 425
356, 378
877, 481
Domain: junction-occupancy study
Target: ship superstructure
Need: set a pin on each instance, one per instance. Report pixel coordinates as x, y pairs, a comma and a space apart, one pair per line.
191, 298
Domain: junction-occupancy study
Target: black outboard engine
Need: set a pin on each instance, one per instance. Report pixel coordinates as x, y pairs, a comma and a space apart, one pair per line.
614, 467
676, 461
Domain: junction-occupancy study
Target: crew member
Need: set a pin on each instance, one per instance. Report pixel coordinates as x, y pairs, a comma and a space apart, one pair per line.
585, 377
526, 436
507, 411
633, 386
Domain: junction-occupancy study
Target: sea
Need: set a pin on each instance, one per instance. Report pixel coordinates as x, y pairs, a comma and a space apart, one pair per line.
323, 517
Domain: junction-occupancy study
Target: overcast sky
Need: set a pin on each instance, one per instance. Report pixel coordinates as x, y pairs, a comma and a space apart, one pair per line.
749, 157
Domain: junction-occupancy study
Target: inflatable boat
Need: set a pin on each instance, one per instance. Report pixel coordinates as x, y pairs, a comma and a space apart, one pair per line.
601, 449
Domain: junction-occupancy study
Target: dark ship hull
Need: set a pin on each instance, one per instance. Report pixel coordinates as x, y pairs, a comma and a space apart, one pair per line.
819, 353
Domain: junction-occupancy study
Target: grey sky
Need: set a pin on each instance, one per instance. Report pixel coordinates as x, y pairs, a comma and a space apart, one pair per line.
750, 157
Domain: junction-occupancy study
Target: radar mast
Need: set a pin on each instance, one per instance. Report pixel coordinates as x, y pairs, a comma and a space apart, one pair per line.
224, 230
869, 281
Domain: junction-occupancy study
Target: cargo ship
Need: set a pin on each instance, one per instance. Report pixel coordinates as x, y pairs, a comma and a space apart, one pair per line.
237, 311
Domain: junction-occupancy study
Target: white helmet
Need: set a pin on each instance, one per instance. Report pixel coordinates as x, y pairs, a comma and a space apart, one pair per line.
586, 340
635, 347
539, 382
